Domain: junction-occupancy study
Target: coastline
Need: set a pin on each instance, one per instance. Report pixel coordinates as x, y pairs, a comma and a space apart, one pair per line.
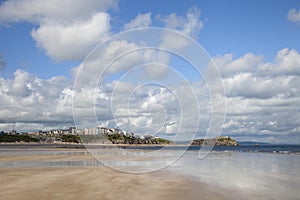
81, 145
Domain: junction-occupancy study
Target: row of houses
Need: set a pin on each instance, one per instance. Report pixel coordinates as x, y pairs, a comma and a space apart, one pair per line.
86, 131
103, 131
74, 131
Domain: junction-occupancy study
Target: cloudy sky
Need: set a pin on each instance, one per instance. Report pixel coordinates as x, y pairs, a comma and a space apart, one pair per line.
246, 71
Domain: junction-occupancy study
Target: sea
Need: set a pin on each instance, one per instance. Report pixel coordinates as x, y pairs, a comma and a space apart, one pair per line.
267, 148
267, 172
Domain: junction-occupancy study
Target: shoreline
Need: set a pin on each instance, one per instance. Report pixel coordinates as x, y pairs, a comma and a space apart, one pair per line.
98, 144
83, 146
268, 149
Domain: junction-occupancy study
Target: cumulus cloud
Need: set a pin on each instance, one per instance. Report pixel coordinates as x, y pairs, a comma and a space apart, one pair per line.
20, 86
141, 20
64, 41
29, 99
229, 66
286, 62
294, 16
66, 30
262, 97
271, 119
189, 24
123, 58
259, 104
249, 85
35, 11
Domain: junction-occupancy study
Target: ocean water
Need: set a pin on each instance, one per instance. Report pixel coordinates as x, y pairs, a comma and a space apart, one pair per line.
281, 149
269, 172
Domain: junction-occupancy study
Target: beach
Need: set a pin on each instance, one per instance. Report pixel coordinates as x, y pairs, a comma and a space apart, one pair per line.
34, 172
94, 182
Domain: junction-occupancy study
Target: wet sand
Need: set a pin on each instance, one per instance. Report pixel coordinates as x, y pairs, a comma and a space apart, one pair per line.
95, 182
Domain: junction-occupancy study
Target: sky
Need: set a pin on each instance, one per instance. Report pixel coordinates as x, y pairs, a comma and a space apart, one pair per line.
246, 82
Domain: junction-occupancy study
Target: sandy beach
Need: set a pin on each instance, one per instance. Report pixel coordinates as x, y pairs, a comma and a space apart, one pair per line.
34, 172
96, 182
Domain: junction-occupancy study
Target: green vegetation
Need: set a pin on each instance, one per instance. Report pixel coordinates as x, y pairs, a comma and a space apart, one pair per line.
225, 139
118, 138
115, 136
163, 141
17, 138
71, 138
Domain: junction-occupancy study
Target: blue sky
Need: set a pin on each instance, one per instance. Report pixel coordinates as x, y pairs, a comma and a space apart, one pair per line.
255, 45
236, 27
231, 26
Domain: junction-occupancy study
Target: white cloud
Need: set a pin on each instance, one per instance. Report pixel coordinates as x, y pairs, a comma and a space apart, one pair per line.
229, 66
259, 105
156, 71
249, 85
294, 16
286, 62
67, 30
190, 24
260, 93
20, 84
29, 99
141, 20
92, 68
36, 11
123, 58
173, 41
64, 41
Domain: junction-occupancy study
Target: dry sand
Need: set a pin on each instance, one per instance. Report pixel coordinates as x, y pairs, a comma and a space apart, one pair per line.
96, 182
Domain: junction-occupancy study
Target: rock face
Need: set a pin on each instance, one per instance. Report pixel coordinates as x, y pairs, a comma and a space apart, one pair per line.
220, 141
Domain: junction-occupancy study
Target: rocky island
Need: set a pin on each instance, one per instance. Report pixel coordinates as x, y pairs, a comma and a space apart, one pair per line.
219, 141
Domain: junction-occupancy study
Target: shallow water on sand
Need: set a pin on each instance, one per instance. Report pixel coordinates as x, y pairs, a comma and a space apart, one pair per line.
251, 175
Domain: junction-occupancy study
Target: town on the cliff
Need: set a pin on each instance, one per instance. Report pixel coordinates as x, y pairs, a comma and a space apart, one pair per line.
100, 135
